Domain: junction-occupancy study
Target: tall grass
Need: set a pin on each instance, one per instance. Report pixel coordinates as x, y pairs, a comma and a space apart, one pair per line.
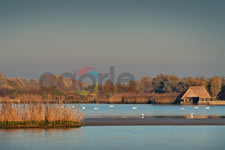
24, 114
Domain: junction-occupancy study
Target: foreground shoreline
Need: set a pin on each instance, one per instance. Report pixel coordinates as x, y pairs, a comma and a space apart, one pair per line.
39, 124
126, 121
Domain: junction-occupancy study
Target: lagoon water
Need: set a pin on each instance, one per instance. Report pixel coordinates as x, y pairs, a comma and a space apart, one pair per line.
123, 137
126, 110
116, 138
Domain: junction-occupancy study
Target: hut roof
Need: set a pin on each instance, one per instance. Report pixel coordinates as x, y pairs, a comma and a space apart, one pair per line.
196, 91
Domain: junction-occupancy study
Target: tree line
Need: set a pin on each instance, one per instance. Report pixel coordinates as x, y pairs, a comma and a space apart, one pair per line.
168, 84
160, 84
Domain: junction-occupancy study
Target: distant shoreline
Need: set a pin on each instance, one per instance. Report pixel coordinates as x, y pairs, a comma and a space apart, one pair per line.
210, 103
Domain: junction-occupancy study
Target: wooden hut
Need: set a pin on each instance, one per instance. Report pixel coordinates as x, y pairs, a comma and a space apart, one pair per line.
195, 94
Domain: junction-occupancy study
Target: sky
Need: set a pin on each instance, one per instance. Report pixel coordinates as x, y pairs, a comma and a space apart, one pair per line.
142, 37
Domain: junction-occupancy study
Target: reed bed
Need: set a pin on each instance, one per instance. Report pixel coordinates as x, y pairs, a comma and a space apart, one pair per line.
39, 115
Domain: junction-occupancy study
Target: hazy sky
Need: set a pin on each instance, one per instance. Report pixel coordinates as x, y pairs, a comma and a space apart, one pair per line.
144, 37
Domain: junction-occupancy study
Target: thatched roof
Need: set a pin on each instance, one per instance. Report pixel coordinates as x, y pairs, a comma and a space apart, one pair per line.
196, 91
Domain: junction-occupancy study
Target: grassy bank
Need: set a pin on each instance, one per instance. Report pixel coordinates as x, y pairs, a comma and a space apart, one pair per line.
39, 116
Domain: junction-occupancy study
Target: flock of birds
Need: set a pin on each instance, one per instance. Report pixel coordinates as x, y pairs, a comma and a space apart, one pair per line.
196, 107
111, 106
182, 108
142, 114
96, 108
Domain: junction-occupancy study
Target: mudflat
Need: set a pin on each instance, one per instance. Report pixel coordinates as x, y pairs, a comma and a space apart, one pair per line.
111, 121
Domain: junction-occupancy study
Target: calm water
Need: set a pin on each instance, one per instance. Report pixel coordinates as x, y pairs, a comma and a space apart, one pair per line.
125, 110
116, 138
123, 137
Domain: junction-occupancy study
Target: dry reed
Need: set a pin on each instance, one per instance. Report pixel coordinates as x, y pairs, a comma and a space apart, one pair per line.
36, 113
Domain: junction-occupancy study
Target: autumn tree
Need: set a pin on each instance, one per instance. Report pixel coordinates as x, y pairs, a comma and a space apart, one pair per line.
146, 85
3, 81
215, 86
119, 87
48, 81
108, 87
132, 86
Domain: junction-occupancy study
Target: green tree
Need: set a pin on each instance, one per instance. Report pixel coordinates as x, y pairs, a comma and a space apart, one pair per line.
165, 83
222, 93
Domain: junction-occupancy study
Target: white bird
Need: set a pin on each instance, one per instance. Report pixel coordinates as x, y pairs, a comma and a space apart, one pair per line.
207, 107
182, 108
111, 106
134, 107
83, 108
196, 107
73, 106
142, 116
96, 108
192, 115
